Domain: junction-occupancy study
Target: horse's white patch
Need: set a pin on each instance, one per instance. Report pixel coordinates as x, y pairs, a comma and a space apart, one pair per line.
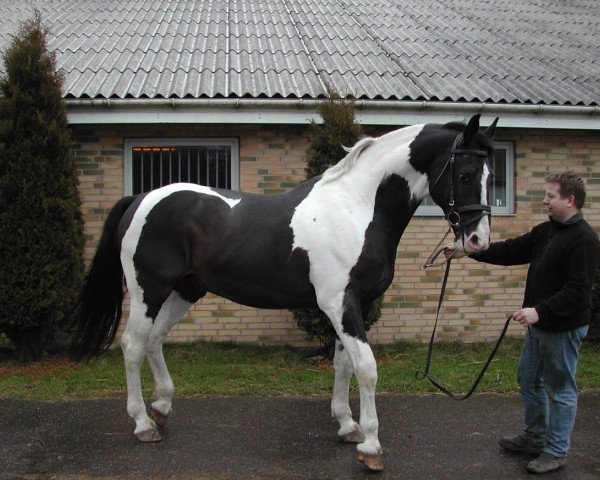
338, 213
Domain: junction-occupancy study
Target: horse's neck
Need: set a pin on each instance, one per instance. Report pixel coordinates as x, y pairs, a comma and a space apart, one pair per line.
394, 207
388, 156
381, 187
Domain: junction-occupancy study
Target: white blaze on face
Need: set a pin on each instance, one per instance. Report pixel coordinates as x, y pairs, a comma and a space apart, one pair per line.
484, 178
483, 226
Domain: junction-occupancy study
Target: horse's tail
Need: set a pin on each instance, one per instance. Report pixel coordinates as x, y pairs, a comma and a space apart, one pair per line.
99, 307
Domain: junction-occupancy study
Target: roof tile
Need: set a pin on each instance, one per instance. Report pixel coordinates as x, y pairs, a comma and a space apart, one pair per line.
497, 51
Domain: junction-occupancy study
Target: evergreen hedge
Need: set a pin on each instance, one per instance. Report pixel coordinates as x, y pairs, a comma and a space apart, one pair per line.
338, 129
41, 228
594, 328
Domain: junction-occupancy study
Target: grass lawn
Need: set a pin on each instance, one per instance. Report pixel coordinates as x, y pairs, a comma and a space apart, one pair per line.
204, 369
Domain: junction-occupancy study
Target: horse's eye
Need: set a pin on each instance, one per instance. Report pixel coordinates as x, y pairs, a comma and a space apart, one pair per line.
465, 178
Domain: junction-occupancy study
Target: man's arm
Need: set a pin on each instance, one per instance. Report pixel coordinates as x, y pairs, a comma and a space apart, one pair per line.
514, 251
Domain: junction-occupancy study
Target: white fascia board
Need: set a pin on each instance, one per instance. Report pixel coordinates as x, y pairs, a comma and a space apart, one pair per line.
299, 112
156, 115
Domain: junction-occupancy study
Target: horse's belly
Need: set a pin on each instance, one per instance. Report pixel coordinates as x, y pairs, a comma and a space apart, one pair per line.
266, 295
264, 280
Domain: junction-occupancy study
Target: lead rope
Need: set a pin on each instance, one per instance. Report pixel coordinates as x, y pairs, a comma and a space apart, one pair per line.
436, 252
425, 372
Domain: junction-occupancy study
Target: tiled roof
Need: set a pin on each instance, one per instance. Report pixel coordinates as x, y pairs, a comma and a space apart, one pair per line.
500, 51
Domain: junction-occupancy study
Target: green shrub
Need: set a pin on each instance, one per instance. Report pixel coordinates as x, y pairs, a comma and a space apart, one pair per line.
41, 229
338, 129
594, 328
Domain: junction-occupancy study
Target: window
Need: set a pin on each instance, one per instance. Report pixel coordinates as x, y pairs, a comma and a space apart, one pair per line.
151, 164
501, 194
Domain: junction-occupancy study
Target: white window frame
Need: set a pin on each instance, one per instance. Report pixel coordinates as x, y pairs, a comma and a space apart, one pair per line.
130, 143
508, 209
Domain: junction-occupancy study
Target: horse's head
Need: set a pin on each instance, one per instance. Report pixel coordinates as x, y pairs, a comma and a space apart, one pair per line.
458, 183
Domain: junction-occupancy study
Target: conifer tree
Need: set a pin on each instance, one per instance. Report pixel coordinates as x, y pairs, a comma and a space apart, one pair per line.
41, 229
594, 328
338, 129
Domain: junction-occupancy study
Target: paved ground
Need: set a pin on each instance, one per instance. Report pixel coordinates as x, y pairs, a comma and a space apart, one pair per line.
426, 437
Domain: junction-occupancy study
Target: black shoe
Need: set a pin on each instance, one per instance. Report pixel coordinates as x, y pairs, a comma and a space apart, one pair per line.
545, 463
520, 445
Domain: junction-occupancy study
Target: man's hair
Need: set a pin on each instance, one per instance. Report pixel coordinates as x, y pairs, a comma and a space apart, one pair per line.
569, 184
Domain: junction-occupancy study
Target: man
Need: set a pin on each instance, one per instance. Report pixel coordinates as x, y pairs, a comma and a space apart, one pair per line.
562, 254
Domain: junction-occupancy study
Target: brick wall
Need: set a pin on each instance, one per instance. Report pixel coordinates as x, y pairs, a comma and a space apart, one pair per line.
479, 297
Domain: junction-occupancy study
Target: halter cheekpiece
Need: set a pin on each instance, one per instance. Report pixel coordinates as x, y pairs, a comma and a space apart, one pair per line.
454, 215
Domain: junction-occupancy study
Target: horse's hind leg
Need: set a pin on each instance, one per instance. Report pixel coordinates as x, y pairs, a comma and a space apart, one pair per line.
170, 313
340, 407
133, 343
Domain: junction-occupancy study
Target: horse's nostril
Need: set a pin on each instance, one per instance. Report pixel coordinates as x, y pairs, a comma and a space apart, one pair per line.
474, 239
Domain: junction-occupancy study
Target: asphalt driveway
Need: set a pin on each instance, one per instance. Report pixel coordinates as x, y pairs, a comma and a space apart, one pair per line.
424, 437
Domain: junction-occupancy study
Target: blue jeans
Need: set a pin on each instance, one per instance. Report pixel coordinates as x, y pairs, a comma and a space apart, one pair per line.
547, 379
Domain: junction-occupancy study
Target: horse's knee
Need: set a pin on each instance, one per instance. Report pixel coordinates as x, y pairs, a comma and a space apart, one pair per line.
367, 377
342, 363
366, 371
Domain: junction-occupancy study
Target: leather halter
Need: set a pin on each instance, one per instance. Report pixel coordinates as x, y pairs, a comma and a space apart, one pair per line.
453, 216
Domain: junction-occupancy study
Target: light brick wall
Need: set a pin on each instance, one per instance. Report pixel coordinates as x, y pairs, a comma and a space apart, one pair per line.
479, 297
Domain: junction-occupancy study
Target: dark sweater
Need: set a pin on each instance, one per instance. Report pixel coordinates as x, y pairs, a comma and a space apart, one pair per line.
562, 261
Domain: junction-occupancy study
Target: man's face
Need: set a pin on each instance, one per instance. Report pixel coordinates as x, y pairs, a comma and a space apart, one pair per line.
559, 207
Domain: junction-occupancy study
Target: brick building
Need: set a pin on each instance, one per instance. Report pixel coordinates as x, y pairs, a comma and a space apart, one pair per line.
221, 92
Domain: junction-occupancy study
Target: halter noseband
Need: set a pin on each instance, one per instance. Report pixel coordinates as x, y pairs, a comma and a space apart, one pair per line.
453, 216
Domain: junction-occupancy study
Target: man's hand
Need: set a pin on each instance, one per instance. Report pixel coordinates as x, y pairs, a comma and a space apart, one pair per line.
526, 316
454, 251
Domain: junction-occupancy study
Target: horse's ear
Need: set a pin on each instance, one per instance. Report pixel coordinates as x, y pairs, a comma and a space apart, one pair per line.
491, 130
471, 130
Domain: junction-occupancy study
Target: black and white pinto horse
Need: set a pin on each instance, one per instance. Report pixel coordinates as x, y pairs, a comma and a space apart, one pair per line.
331, 243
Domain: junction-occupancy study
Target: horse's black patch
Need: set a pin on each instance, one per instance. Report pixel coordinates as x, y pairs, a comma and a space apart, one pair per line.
254, 263
374, 271
169, 242
431, 148
196, 243
461, 179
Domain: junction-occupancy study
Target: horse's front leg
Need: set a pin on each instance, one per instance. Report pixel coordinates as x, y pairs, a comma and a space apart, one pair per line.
365, 369
350, 329
340, 406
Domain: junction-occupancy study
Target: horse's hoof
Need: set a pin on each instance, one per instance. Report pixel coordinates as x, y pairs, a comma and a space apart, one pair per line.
373, 462
355, 436
149, 436
158, 417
